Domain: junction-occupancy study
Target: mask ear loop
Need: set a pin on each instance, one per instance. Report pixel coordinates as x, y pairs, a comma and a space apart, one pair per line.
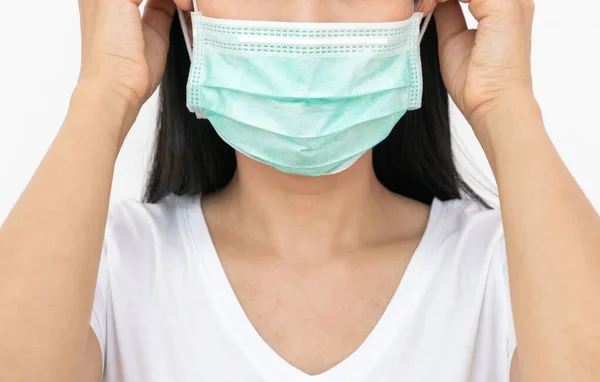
184, 28
188, 40
424, 28
186, 33
425, 24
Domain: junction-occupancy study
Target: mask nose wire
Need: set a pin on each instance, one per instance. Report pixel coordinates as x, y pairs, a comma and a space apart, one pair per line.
188, 40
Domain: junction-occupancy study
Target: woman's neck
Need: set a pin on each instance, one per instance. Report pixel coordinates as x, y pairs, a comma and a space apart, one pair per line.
307, 219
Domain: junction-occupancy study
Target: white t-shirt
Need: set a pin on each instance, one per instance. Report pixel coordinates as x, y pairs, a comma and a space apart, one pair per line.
165, 311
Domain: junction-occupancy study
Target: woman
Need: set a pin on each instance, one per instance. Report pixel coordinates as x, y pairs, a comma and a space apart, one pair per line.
332, 244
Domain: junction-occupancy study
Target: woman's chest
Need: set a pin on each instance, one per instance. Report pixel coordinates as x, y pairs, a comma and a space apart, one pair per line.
212, 325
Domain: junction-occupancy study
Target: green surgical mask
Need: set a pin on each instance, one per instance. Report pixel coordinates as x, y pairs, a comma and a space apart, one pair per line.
305, 98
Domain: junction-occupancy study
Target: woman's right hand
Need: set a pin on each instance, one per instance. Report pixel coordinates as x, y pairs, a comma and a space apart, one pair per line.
124, 52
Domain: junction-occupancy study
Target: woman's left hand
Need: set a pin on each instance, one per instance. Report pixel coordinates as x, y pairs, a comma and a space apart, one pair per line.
551, 230
489, 68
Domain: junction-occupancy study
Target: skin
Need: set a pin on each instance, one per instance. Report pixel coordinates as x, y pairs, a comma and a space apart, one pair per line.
50, 244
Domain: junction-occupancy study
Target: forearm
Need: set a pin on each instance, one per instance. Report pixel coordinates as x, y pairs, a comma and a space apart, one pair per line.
553, 245
51, 242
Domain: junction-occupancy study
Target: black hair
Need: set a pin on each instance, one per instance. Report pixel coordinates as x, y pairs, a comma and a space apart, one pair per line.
416, 160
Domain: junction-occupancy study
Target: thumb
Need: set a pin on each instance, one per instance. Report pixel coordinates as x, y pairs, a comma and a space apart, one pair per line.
157, 21
158, 16
449, 20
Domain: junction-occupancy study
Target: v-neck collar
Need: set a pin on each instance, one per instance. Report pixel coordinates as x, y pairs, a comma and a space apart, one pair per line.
258, 352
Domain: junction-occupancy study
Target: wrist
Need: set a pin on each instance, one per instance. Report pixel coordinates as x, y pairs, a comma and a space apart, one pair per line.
103, 108
506, 121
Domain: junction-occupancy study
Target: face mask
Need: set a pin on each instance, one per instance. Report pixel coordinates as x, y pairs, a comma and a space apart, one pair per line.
305, 98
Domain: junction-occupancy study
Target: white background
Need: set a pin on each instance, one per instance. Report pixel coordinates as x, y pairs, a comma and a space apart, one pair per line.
39, 60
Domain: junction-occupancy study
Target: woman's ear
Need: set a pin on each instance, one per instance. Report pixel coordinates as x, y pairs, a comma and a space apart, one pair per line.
426, 6
185, 5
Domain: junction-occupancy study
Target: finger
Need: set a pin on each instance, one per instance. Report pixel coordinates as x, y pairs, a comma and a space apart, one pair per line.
527, 12
527, 7
508, 10
508, 16
158, 15
449, 20
185, 5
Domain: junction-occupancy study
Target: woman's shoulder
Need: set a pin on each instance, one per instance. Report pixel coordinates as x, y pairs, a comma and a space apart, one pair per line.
468, 232
467, 217
475, 238
133, 222
127, 211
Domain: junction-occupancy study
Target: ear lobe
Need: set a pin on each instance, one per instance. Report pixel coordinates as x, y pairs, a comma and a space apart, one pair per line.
426, 6
184, 5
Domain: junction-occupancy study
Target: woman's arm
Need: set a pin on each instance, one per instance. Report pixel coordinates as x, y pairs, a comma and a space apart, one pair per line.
50, 243
552, 232
553, 246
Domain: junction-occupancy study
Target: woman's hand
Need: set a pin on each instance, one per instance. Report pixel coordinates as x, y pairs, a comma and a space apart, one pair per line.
551, 230
122, 51
488, 68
